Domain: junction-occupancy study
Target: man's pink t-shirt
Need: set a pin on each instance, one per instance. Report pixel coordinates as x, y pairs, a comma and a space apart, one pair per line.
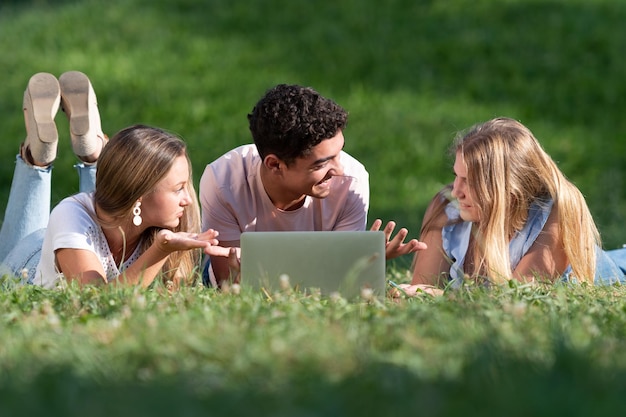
234, 201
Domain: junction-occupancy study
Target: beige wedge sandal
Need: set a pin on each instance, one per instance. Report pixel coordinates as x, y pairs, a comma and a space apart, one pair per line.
41, 103
78, 101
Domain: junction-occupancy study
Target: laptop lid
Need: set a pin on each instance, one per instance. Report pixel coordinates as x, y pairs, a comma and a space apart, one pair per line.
343, 262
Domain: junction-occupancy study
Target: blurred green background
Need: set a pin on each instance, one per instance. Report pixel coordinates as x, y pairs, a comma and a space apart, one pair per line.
411, 74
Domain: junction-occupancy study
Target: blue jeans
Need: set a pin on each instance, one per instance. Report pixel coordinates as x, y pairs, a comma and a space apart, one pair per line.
206, 272
27, 213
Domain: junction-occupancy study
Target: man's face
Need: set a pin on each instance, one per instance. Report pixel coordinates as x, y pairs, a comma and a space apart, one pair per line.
310, 175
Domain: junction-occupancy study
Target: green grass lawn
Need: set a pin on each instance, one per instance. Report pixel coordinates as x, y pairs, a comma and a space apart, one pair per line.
411, 73
515, 351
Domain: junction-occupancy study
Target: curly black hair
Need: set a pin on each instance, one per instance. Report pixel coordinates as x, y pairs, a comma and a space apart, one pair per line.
289, 120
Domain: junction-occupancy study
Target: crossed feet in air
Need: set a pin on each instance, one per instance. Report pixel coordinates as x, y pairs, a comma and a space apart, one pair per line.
43, 96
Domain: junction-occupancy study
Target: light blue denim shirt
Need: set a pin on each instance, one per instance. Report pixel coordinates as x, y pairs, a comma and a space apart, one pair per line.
610, 265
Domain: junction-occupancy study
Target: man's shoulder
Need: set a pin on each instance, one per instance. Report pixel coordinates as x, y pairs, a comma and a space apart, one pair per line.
352, 166
233, 177
241, 154
354, 171
238, 162
240, 158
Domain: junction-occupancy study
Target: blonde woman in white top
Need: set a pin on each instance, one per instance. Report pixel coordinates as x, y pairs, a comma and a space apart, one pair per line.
141, 223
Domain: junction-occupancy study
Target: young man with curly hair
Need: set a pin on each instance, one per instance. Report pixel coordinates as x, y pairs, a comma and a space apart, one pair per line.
294, 177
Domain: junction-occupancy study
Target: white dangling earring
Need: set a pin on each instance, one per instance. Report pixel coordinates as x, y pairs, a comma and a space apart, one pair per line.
137, 214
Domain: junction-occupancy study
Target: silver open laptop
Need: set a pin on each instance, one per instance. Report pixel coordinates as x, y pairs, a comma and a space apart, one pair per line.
343, 262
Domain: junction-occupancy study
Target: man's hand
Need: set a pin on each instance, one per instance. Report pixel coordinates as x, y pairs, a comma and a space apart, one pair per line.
397, 247
234, 264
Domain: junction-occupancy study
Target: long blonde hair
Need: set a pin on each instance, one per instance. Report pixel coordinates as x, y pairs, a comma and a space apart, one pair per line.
507, 170
133, 162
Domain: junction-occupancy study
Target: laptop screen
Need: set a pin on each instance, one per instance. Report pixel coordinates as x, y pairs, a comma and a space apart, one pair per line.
341, 262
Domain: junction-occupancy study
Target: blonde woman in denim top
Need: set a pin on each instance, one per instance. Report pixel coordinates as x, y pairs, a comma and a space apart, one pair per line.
509, 214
